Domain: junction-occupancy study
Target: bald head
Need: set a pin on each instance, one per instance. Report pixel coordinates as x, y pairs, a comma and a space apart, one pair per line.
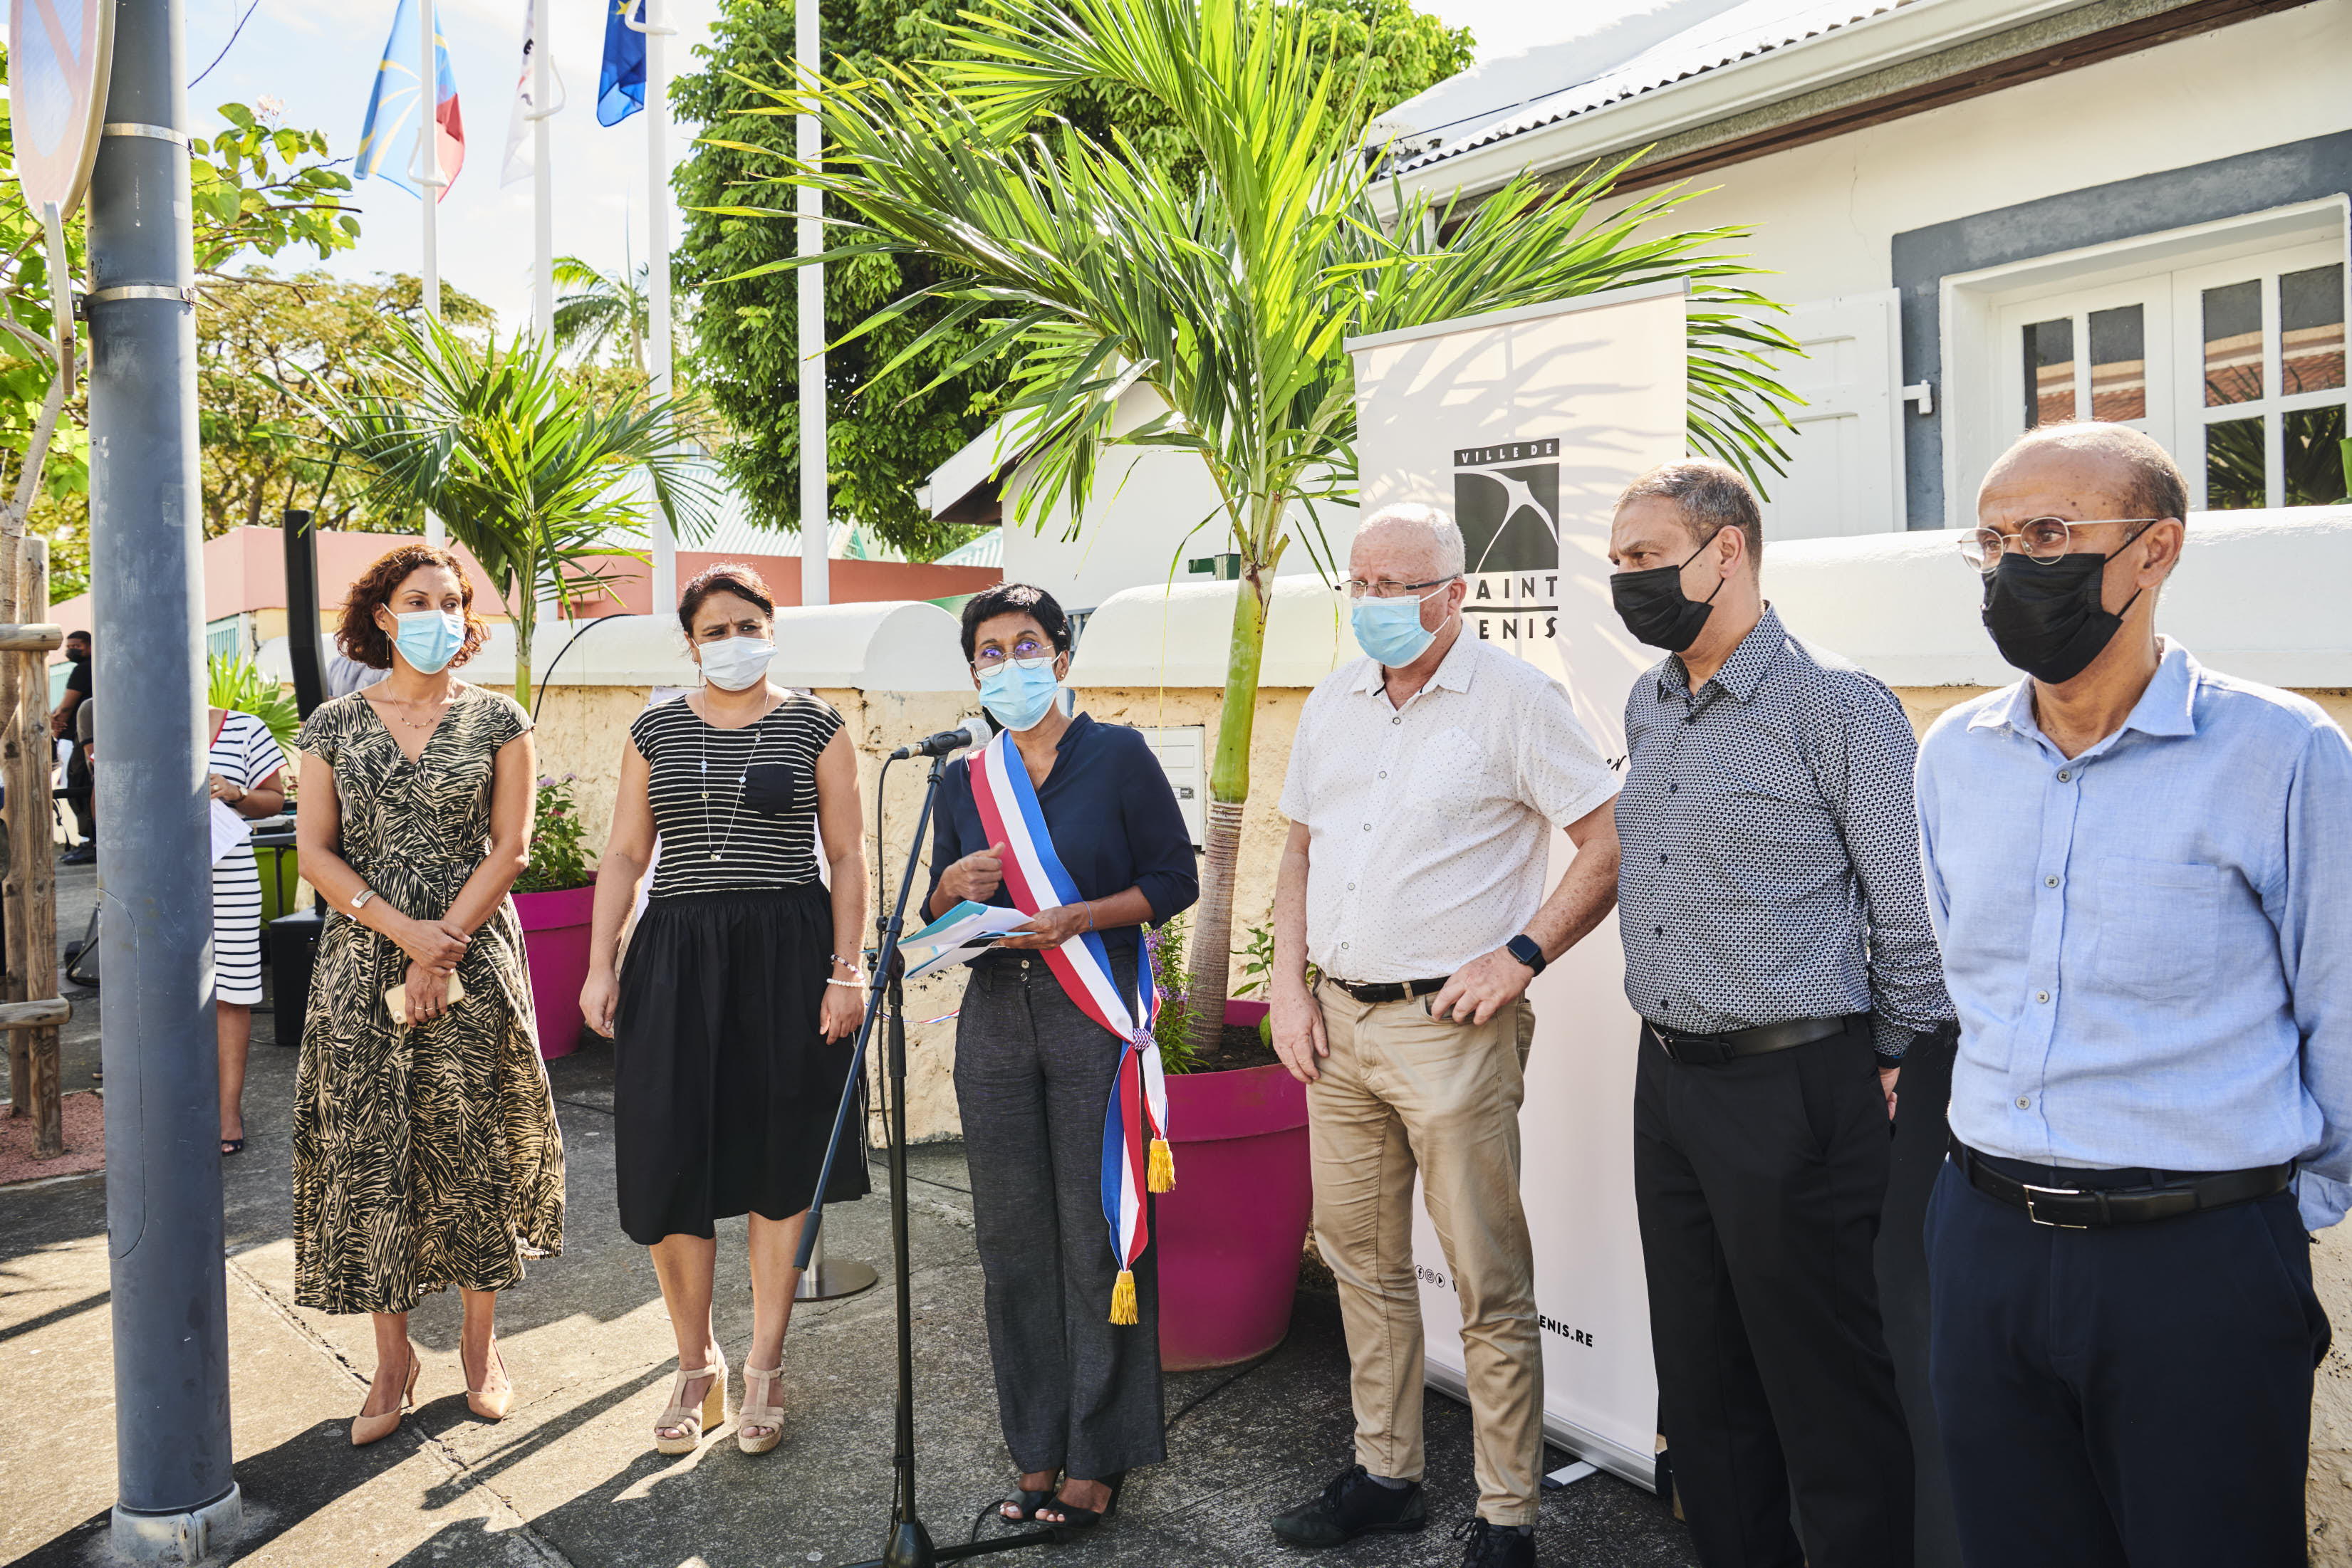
2130, 473
1420, 542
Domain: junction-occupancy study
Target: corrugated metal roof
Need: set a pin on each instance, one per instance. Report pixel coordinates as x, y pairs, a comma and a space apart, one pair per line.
987, 549
1757, 27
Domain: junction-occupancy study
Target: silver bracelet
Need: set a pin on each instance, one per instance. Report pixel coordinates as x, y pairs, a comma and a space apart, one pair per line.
359, 899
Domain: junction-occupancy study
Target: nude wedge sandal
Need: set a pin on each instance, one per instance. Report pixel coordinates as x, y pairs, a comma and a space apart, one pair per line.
760, 1409
366, 1429
697, 1419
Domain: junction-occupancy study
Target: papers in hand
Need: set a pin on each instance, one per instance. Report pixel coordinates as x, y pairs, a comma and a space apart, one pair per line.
230, 831
959, 936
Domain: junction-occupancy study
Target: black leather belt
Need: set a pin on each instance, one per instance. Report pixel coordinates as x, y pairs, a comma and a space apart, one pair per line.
1391, 991
1715, 1050
2070, 1199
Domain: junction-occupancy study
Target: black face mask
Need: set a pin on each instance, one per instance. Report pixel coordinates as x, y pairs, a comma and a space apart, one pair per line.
78, 655
1655, 608
2049, 619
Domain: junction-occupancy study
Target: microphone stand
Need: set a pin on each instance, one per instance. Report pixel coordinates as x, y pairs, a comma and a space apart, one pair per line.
908, 1544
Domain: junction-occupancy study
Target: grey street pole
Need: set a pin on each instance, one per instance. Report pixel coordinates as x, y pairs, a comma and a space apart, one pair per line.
174, 1491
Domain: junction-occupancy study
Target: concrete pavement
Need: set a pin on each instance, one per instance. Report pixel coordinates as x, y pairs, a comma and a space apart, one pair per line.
570, 1476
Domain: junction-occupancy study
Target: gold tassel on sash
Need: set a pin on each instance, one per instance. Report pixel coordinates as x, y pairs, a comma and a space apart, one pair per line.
1122, 1299
1163, 1166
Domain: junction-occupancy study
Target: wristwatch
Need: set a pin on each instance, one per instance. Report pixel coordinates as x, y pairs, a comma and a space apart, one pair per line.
1523, 948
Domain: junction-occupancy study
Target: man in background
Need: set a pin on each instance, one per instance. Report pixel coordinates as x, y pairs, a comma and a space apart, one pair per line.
61, 724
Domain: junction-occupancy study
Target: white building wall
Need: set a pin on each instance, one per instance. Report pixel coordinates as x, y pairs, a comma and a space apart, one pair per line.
1824, 214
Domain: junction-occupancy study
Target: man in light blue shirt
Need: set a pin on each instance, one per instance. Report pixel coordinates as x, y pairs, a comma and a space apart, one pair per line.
2141, 872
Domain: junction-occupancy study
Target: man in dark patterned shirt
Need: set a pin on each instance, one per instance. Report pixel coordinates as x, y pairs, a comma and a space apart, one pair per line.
1776, 946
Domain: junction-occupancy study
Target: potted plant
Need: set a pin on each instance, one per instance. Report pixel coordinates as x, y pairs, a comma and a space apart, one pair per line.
1231, 1230
556, 898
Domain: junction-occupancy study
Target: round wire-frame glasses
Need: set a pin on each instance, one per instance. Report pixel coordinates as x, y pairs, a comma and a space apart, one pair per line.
2043, 540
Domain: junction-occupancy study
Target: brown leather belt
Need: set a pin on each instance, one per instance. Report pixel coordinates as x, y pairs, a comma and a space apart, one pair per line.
1391, 991
1715, 1050
2070, 1199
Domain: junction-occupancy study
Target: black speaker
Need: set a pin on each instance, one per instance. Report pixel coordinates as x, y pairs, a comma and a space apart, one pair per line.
293, 949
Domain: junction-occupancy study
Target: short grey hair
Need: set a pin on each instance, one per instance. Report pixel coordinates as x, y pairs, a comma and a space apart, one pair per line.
2150, 484
1444, 537
1710, 495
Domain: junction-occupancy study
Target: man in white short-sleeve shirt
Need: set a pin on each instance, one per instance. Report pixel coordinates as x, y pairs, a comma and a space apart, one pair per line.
1424, 786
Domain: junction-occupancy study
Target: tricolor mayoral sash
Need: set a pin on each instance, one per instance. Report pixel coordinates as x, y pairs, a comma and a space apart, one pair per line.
1135, 1127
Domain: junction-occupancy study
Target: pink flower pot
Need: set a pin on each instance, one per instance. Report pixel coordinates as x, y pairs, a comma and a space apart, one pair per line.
555, 944
1230, 1233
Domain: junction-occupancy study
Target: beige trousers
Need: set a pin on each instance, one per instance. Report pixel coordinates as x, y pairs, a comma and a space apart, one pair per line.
1403, 1093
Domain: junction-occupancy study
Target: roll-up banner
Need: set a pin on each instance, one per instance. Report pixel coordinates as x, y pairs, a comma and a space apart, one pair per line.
1525, 425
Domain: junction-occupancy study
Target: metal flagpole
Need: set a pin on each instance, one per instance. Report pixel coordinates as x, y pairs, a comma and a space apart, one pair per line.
175, 1495
427, 173
665, 586
816, 520
542, 194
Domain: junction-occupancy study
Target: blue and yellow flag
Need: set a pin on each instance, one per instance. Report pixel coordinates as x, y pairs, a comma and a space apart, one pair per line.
387, 150
621, 87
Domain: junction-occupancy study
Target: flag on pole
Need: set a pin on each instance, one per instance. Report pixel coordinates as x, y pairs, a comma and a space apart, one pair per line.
621, 85
518, 161
392, 106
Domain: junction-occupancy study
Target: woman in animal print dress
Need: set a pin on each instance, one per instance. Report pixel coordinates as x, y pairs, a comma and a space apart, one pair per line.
426, 1146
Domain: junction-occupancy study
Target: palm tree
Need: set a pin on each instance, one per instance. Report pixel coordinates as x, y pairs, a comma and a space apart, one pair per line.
531, 474
600, 306
1087, 270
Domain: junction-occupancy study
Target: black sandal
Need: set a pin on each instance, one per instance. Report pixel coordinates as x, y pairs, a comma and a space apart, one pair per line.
232, 1147
1077, 1518
1024, 1503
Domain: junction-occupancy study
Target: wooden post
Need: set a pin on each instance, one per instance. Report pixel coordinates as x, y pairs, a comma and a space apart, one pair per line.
13, 918
38, 900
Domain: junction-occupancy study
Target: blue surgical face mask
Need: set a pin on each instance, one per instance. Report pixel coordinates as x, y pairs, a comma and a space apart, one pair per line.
428, 639
1016, 697
1389, 629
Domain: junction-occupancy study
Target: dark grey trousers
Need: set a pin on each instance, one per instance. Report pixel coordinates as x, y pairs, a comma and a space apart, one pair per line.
1033, 1076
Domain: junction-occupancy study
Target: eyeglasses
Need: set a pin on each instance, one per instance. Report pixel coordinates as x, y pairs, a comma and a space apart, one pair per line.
1028, 654
2040, 539
1356, 587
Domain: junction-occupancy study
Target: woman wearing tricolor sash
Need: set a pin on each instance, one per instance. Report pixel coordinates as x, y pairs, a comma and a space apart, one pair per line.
1072, 823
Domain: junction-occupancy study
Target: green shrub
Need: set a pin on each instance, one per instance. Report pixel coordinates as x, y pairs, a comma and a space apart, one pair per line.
559, 858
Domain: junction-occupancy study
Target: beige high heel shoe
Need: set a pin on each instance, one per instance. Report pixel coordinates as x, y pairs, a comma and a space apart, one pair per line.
762, 1409
366, 1428
697, 1419
490, 1403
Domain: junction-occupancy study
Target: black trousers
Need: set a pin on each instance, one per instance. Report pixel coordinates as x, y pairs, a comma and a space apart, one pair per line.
1032, 1077
2136, 1395
1758, 1184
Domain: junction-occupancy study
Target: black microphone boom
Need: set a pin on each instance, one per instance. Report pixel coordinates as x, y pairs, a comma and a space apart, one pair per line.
974, 731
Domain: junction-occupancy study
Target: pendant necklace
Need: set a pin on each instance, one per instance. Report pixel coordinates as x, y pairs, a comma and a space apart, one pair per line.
759, 728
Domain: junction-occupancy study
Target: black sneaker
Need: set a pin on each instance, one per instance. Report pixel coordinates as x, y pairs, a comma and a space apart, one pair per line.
1353, 1504
80, 854
1494, 1545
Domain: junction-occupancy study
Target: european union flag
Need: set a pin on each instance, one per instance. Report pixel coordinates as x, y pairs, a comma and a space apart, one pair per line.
621, 87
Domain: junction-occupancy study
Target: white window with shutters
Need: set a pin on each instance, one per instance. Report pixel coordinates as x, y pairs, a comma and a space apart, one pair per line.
2225, 342
1845, 469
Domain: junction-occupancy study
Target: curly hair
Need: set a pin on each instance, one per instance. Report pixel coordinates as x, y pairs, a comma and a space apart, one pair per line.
358, 634
723, 577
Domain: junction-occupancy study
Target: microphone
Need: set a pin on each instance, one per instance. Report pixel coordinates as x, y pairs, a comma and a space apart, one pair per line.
974, 731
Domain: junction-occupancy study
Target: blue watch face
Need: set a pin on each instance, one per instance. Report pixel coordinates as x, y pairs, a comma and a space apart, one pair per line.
1525, 950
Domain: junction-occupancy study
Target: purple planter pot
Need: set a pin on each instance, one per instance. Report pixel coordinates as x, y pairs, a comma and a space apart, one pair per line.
1230, 1232
555, 944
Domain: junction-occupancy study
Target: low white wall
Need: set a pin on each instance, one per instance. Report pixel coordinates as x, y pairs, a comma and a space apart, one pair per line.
2257, 594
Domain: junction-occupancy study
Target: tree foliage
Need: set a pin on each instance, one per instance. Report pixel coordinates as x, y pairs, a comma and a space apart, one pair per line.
886, 432
258, 335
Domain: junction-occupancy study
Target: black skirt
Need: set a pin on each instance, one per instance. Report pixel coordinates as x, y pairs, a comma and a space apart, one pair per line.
724, 1088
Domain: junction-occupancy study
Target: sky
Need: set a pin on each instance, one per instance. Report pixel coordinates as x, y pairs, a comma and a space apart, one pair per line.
319, 60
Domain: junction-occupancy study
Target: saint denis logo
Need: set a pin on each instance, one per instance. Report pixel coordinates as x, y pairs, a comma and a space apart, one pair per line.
1506, 500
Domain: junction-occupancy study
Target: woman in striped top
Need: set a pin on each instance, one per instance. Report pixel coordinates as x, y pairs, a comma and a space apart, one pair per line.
246, 765
732, 1018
